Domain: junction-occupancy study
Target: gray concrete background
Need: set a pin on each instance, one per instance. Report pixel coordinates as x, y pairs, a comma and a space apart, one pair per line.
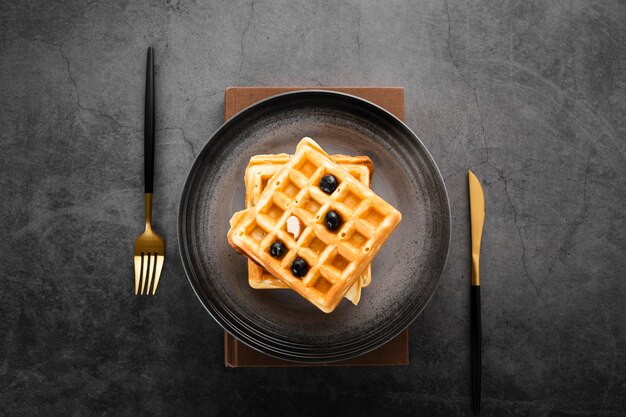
530, 95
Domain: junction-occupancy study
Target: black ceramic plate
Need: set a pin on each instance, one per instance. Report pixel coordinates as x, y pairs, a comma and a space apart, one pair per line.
405, 272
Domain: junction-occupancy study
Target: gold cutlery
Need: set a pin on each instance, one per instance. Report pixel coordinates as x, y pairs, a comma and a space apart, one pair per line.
149, 246
477, 219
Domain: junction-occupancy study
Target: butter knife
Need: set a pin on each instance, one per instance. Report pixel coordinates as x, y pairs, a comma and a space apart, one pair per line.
477, 219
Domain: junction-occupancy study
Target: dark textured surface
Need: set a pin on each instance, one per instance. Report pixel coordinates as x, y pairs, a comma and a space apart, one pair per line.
530, 95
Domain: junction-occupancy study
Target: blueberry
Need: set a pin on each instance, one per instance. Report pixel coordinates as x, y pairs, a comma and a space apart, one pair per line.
328, 184
333, 220
299, 267
278, 249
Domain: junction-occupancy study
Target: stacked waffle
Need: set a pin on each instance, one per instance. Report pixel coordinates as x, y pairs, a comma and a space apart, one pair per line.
311, 224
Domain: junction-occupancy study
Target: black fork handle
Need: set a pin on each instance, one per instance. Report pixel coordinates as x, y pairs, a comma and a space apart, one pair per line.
149, 124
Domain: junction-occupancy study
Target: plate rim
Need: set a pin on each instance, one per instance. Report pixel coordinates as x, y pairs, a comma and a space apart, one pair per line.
258, 344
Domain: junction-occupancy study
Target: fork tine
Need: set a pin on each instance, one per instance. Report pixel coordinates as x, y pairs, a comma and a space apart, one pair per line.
157, 273
151, 272
145, 259
137, 261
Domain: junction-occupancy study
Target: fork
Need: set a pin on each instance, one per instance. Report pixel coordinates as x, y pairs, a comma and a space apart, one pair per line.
149, 246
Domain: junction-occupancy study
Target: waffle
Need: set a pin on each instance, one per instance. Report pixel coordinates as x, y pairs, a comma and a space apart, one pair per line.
259, 171
336, 259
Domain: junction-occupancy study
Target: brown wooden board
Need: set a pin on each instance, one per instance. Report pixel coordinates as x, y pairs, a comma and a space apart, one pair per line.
393, 353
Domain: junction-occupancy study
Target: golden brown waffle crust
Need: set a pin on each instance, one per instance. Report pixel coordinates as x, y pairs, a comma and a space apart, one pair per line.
337, 258
260, 169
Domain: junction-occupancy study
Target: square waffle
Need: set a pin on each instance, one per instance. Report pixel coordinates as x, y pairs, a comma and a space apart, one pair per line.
336, 259
258, 173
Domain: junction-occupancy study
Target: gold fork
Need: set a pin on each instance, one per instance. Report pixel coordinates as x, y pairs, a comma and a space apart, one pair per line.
149, 246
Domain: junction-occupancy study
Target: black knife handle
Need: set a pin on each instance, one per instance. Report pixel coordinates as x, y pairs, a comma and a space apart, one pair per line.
476, 347
149, 124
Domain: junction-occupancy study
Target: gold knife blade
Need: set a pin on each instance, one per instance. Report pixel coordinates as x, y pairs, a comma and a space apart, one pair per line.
477, 219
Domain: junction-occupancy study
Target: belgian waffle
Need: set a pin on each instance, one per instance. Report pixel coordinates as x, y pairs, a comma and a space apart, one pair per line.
336, 259
258, 173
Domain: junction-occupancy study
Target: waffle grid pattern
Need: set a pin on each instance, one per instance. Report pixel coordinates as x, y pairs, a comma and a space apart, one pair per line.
260, 169
336, 258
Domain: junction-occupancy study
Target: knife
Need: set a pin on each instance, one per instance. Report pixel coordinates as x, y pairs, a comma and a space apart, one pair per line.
477, 219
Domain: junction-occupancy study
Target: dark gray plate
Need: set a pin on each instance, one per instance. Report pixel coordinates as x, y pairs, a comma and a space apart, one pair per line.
405, 272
